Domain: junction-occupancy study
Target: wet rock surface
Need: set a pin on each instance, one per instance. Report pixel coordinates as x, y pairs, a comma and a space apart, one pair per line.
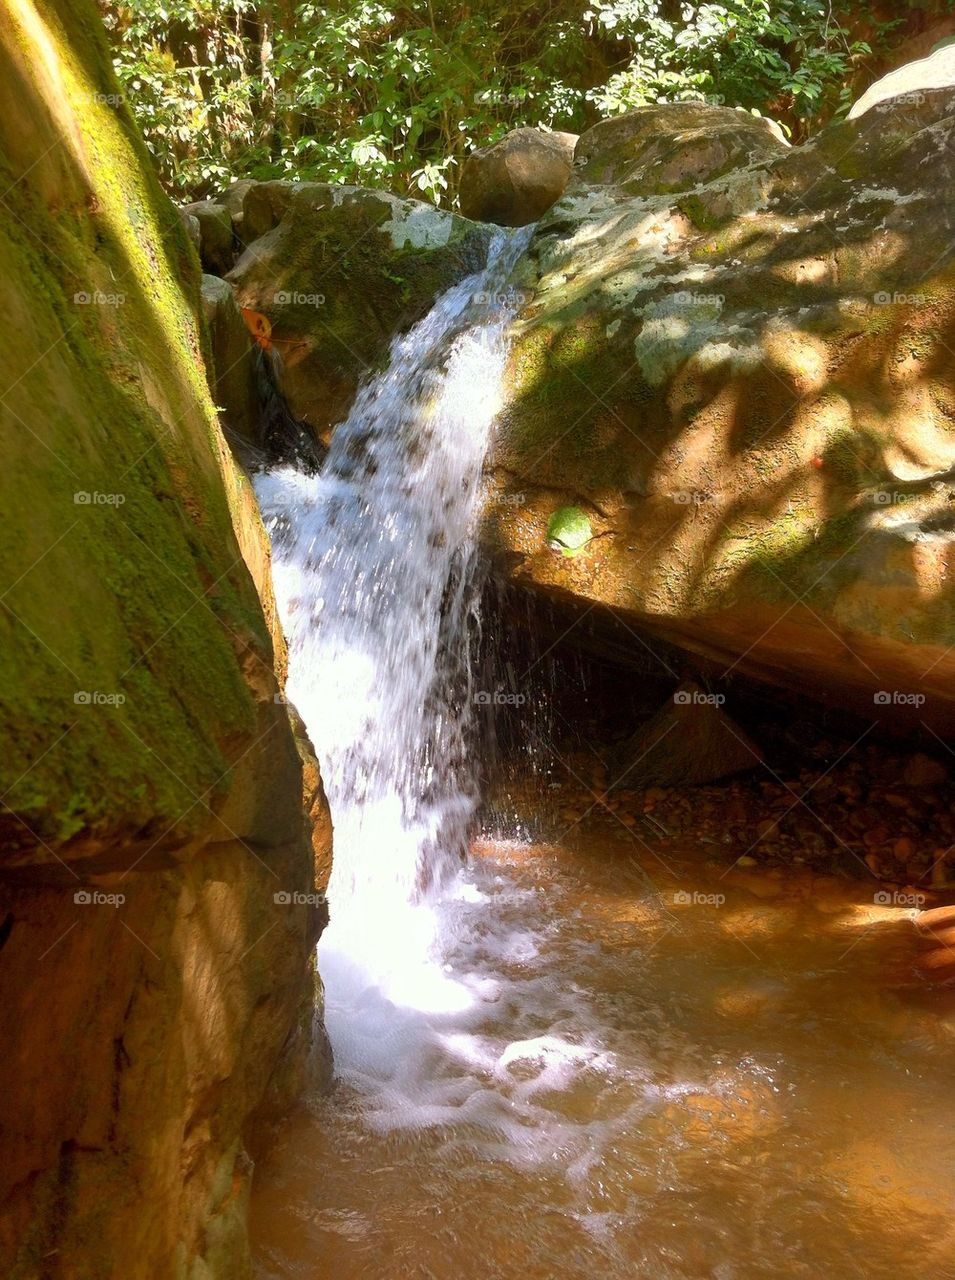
343, 271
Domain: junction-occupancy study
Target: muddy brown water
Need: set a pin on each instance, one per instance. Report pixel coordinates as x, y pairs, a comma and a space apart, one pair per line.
674, 1071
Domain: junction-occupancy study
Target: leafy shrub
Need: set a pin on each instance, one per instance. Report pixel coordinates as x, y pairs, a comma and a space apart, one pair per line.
394, 95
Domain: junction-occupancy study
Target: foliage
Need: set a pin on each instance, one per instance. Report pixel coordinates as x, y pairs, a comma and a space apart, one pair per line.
395, 94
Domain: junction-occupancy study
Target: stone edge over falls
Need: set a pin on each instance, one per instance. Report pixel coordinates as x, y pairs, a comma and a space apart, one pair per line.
156, 1000
736, 359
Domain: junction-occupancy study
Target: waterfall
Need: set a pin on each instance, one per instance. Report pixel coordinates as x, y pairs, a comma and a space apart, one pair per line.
377, 581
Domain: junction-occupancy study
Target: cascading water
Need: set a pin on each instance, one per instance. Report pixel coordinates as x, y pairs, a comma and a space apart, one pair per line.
376, 576
558, 1062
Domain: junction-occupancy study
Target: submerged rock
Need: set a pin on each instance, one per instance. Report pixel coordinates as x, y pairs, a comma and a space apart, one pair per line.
515, 180
741, 354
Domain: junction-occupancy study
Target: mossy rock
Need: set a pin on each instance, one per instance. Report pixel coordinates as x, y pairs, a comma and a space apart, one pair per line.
343, 272
569, 531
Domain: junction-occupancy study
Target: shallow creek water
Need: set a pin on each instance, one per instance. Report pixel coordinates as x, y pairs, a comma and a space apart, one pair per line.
626, 1083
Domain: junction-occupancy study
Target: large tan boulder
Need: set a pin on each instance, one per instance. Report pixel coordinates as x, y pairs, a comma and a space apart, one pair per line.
514, 181
155, 992
748, 388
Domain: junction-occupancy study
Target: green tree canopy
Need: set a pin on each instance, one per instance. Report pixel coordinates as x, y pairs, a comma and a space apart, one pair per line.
394, 95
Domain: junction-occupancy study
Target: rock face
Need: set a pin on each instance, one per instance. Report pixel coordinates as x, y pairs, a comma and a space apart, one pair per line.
514, 181
232, 360
342, 272
216, 249
745, 377
911, 81
654, 151
157, 906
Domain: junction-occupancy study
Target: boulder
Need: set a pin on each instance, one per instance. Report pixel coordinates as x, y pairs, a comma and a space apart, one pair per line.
689, 742
193, 230
155, 994
256, 207
749, 386
216, 249
233, 362
341, 274
660, 150
909, 83
514, 181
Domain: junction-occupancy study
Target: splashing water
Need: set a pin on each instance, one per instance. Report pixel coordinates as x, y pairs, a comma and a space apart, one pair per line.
377, 580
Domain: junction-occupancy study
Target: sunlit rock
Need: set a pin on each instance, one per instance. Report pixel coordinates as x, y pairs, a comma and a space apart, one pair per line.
516, 179
740, 354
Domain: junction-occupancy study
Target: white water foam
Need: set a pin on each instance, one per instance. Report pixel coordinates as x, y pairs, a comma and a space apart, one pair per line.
374, 566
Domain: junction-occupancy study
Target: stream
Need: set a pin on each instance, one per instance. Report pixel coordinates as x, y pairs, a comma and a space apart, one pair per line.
559, 1058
